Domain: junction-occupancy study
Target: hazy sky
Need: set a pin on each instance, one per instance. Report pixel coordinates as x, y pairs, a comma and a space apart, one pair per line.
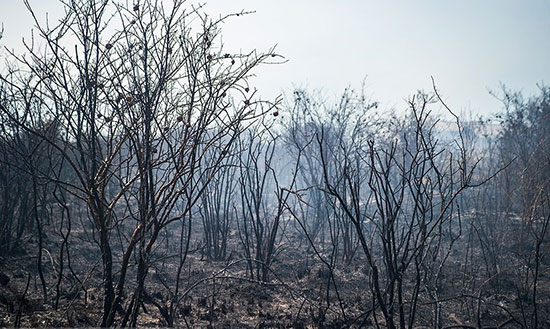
468, 46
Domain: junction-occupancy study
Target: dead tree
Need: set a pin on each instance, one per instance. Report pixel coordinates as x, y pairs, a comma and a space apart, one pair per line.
401, 211
217, 205
263, 199
345, 123
138, 107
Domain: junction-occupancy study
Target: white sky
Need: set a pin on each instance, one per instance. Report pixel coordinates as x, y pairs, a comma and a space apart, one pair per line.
469, 46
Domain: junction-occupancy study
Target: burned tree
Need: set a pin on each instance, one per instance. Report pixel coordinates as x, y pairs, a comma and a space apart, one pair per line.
139, 101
